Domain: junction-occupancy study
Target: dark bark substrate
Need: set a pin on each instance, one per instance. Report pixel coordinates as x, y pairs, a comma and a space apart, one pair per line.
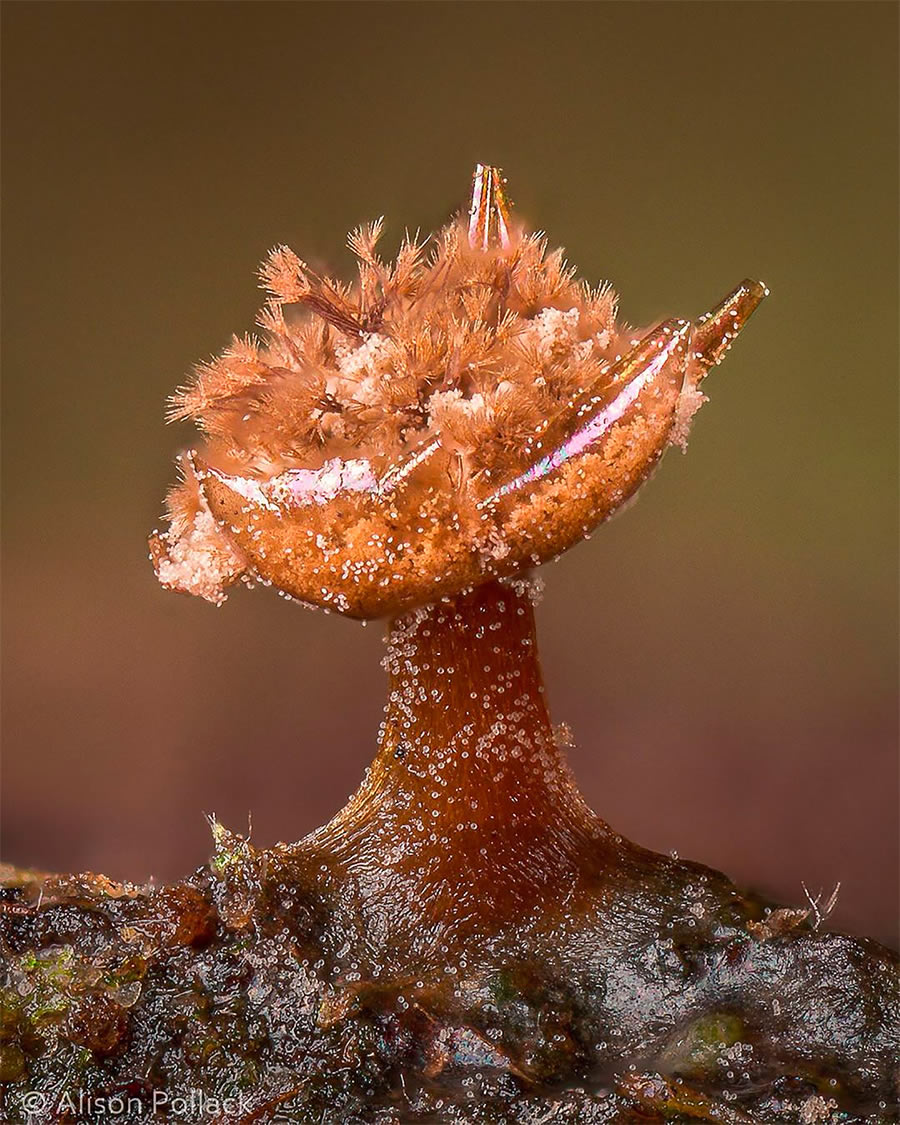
684, 1001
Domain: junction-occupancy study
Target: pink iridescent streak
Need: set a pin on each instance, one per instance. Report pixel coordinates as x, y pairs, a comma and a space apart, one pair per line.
300, 487
594, 429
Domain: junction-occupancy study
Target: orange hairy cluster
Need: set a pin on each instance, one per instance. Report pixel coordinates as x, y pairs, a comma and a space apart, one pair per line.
469, 345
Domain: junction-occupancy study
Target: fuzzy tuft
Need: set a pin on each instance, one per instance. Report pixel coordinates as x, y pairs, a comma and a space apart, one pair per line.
473, 347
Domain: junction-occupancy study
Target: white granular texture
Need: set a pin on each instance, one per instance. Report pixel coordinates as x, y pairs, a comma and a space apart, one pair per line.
373, 354
201, 561
816, 1109
551, 331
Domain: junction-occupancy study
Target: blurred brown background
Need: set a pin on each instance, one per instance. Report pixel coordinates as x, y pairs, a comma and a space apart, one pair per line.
725, 652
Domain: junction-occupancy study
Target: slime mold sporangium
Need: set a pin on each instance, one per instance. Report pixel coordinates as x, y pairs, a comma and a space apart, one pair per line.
465, 941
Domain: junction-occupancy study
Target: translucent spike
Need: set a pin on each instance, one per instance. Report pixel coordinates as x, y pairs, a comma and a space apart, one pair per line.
489, 210
714, 332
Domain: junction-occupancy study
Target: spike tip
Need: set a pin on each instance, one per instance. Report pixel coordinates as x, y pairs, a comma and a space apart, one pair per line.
489, 209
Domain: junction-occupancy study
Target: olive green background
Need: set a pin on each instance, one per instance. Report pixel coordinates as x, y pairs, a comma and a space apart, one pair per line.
725, 651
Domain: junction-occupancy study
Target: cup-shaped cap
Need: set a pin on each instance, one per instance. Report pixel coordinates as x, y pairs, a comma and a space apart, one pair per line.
449, 419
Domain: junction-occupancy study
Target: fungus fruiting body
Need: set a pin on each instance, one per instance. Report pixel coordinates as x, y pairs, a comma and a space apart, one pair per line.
411, 447
465, 942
